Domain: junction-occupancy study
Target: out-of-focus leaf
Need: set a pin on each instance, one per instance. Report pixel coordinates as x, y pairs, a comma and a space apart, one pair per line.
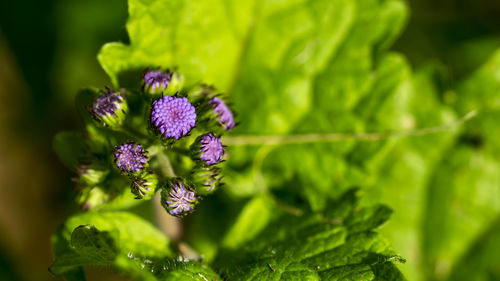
335, 244
251, 220
463, 196
404, 171
482, 260
480, 90
324, 94
291, 43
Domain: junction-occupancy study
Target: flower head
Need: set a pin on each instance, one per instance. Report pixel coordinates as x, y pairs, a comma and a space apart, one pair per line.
208, 148
180, 198
173, 117
223, 114
206, 179
144, 185
110, 109
130, 158
156, 81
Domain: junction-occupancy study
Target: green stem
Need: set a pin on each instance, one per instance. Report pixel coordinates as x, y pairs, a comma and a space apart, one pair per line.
165, 165
334, 137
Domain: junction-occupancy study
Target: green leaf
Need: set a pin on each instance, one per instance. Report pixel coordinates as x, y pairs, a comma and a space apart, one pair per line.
251, 220
172, 270
480, 90
203, 39
335, 244
482, 260
89, 247
298, 87
399, 179
97, 246
462, 192
121, 240
322, 171
112, 238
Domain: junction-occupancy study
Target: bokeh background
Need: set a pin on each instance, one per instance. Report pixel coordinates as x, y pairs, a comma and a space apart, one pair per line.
48, 52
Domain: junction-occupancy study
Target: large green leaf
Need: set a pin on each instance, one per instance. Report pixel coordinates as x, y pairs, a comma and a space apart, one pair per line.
347, 85
202, 38
108, 238
482, 260
444, 186
463, 193
407, 166
124, 241
336, 244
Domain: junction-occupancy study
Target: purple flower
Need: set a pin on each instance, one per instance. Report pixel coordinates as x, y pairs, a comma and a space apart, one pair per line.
209, 148
156, 81
130, 157
173, 117
224, 116
110, 108
180, 199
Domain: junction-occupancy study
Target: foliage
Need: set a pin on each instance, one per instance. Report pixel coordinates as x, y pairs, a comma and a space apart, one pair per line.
287, 210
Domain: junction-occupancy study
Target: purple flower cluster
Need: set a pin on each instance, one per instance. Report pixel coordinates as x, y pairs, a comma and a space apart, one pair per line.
224, 116
175, 114
181, 199
211, 149
156, 81
173, 117
130, 158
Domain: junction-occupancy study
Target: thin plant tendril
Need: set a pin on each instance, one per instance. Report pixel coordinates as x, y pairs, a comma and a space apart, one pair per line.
335, 137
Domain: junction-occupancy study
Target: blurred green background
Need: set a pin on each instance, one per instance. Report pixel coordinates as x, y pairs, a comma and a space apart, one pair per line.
48, 52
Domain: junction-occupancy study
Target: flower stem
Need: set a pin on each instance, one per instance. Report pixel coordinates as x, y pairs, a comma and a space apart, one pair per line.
335, 137
170, 225
165, 165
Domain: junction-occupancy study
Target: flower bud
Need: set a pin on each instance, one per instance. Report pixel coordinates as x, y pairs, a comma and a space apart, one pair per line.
110, 109
91, 197
172, 117
156, 82
206, 179
201, 92
144, 186
208, 149
130, 158
176, 84
179, 199
90, 174
215, 111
